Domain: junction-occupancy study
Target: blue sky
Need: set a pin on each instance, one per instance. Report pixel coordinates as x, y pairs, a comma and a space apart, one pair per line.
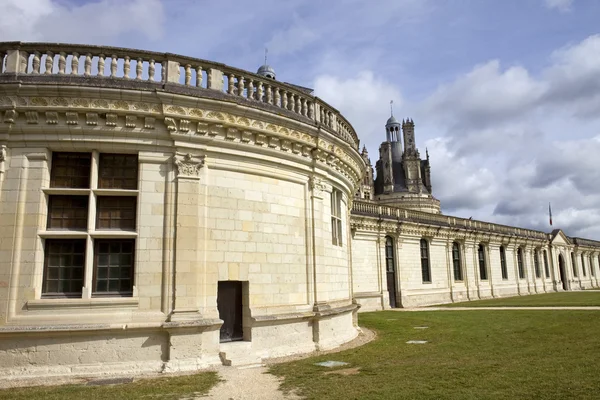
505, 94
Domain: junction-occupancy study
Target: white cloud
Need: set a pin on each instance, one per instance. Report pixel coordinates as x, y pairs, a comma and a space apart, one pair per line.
560, 5
295, 37
99, 22
364, 100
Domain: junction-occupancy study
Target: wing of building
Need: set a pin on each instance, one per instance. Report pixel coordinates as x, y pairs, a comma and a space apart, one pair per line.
167, 213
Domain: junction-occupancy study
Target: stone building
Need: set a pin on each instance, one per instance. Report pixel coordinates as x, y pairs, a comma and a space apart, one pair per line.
166, 213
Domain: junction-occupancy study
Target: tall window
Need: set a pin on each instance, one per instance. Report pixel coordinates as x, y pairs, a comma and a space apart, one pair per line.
389, 254
583, 265
482, 267
456, 263
546, 268
520, 263
336, 217
592, 269
425, 267
80, 207
574, 264
503, 263
536, 263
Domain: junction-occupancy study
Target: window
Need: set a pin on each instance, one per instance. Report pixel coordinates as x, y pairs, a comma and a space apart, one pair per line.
456, 262
425, 268
77, 212
336, 217
583, 265
574, 264
592, 270
482, 266
520, 263
389, 254
536, 263
546, 269
503, 263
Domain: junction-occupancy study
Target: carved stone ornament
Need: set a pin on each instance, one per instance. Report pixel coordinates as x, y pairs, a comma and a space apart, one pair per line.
188, 165
318, 186
32, 117
51, 117
2, 153
91, 119
149, 122
10, 116
130, 121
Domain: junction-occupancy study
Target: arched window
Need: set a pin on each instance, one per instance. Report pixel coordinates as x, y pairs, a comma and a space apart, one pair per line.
503, 263
546, 268
574, 264
482, 266
583, 264
456, 262
520, 263
536, 263
425, 268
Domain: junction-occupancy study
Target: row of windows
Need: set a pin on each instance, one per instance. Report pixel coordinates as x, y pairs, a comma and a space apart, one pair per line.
483, 271
590, 263
82, 209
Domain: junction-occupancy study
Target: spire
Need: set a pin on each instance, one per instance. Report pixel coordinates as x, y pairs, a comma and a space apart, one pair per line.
391, 107
266, 52
427, 153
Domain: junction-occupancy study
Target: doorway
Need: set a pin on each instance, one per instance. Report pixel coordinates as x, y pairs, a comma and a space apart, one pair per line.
229, 304
562, 271
390, 267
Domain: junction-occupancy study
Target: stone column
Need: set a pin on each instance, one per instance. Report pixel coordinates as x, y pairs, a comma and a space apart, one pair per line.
188, 222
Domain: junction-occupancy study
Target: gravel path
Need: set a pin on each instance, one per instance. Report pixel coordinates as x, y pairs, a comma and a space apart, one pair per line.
257, 383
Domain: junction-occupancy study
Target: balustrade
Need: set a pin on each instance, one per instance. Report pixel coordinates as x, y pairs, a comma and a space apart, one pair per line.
116, 63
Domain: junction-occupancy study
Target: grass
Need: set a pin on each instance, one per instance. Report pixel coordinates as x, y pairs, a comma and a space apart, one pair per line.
158, 388
513, 354
564, 299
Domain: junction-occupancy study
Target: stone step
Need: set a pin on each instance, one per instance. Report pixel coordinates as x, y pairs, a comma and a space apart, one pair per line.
238, 354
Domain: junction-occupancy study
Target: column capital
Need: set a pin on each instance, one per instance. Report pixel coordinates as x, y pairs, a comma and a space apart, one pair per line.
188, 165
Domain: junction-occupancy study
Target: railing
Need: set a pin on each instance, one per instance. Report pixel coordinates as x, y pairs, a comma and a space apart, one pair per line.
361, 207
585, 242
49, 59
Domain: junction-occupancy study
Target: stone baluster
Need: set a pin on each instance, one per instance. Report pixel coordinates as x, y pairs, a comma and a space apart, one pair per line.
259, 92
113, 66
151, 70
284, 100
62, 62
126, 67
101, 65
36, 63
49, 62
75, 63
88, 65
311, 110
250, 93
188, 74
198, 76
139, 67
269, 90
231, 84
240, 86
292, 102
277, 97
304, 107
163, 72
298, 105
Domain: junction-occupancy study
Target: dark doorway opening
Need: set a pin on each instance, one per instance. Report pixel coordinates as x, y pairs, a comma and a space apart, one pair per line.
390, 267
229, 303
561, 270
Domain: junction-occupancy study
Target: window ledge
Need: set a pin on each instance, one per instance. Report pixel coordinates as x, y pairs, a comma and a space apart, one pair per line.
78, 304
114, 234
66, 191
63, 234
116, 192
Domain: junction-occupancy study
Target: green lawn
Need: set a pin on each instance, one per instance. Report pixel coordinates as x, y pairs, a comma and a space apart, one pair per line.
176, 387
581, 299
470, 355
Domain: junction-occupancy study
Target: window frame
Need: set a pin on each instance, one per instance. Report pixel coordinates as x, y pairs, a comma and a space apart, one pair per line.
574, 265
536, 264
483, 273
457, 262
503, 267
546, 266
56, 294
425, 262
520, 263
336, 218
108, 293
583, 271
92, 234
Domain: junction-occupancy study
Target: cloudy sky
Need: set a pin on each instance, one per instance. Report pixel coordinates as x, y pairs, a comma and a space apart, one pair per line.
504, 94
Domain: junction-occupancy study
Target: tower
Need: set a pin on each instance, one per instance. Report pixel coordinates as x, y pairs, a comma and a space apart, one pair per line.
366, 190
266, 70
411, 158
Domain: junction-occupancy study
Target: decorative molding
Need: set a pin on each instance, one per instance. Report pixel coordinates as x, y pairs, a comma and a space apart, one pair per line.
91, 119
171, 124
188, 165
72, 118
149, 122
32, 117
184, 125
2, 153
130, 121
51, 118
111, 119
10, 116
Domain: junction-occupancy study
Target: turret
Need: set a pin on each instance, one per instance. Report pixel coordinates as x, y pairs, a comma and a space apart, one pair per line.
408, 129
392, 129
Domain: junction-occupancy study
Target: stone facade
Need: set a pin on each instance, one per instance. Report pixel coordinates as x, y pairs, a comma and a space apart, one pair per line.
164, 213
